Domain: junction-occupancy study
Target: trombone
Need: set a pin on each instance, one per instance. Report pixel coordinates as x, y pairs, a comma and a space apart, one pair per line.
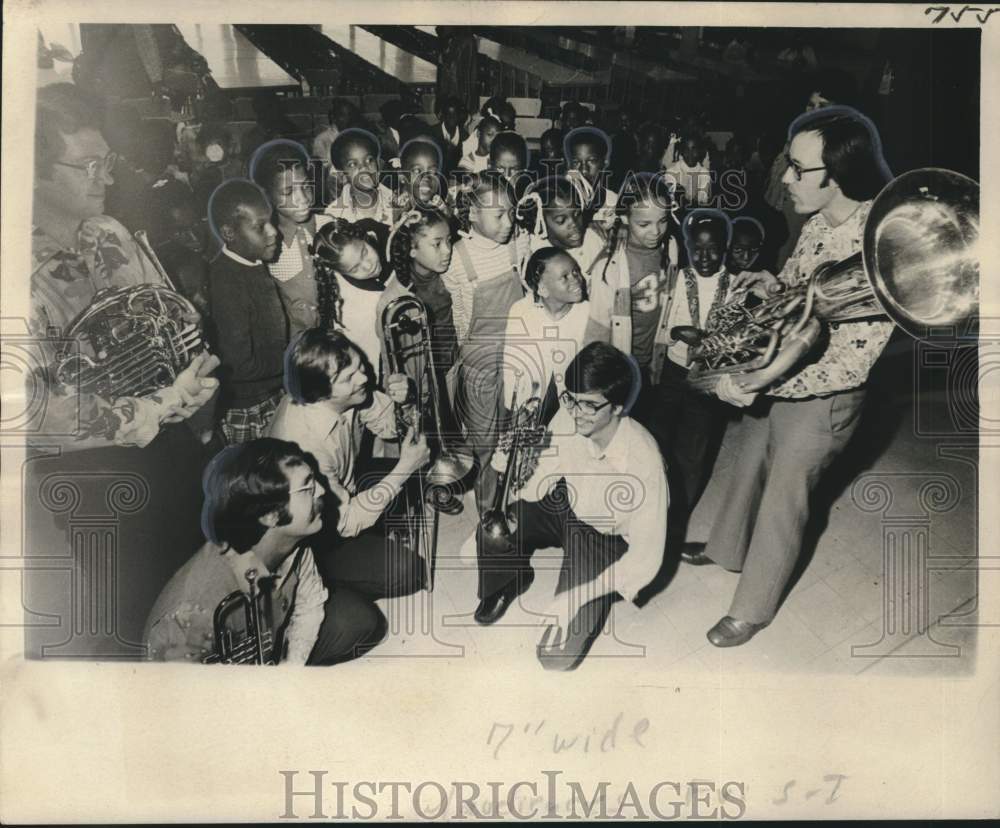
408, 350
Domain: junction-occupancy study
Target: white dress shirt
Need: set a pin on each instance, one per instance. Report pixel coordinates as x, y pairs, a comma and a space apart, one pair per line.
621, 490
335, 441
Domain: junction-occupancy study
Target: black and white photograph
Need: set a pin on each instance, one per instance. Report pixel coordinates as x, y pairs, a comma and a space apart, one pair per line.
586, 407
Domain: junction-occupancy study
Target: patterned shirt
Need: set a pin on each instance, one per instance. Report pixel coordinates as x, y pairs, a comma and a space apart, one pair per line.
64, 282
180, 624
852, 347
344, 207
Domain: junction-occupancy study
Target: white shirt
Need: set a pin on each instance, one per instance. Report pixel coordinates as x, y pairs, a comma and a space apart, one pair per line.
310, 597
473, 162
696, 181
605, 216
540, 347
236, 257
343, 206
335, 441
585, 255
680, 312
490, 260
621, 490
359, 310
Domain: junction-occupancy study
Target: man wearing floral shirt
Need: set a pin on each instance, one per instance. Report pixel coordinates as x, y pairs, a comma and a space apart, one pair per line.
835, 169
87, 442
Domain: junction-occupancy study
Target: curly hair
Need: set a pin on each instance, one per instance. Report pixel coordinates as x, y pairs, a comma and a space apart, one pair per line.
480, 190
326, 249
536, 266
642, 188
551, 191
416, 222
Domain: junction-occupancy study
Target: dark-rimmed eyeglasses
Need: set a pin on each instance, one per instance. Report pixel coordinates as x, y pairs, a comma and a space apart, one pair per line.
94, 166
798, 171
587, 407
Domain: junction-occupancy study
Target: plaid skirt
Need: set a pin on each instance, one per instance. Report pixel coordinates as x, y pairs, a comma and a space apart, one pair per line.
240, 425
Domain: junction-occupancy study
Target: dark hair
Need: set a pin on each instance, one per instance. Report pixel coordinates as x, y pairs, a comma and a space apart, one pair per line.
509, 142
354, 136
478, 191
574, 106
554, 133
227, 199
535, 267
601, 369
500, 107
636, 189
551, 190
420, 144
273, 158
852, 150
312, 359
448, 101
587, 135
836, 85
245, 482
707, 218
326, 249
338, 103
486, 120
744, 224
62, 109
402, 241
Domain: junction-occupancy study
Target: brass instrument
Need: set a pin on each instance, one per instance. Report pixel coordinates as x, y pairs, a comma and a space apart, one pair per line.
918, 266
257, 643
408, 350
523, 443
138, 338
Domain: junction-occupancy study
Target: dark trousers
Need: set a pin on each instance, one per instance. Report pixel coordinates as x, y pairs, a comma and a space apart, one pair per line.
688, 426
352, 625
372, 563
586, 554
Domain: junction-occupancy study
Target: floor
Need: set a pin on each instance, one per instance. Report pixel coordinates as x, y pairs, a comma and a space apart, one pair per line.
888, 587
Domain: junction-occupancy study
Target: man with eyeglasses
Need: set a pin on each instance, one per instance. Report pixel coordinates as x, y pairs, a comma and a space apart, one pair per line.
86, 440
598, 492
76, 251
805, 420
263, 501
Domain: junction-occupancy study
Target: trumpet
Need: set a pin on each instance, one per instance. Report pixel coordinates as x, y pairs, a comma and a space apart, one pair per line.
408, 349
918, 267
257, 644
523, 443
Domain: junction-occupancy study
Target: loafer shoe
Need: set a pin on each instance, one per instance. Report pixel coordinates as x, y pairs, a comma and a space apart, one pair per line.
493, 607
731, 632
694, 554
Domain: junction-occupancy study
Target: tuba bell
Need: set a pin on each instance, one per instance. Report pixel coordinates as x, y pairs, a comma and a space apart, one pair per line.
918, 266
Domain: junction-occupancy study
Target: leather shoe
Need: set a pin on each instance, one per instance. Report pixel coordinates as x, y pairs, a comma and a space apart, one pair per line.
731, 632
694, 554
493, 607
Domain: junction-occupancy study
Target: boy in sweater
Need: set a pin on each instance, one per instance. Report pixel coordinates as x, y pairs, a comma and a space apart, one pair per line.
251, 329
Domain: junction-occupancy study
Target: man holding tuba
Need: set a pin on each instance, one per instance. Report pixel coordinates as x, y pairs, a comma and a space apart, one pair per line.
805, 418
